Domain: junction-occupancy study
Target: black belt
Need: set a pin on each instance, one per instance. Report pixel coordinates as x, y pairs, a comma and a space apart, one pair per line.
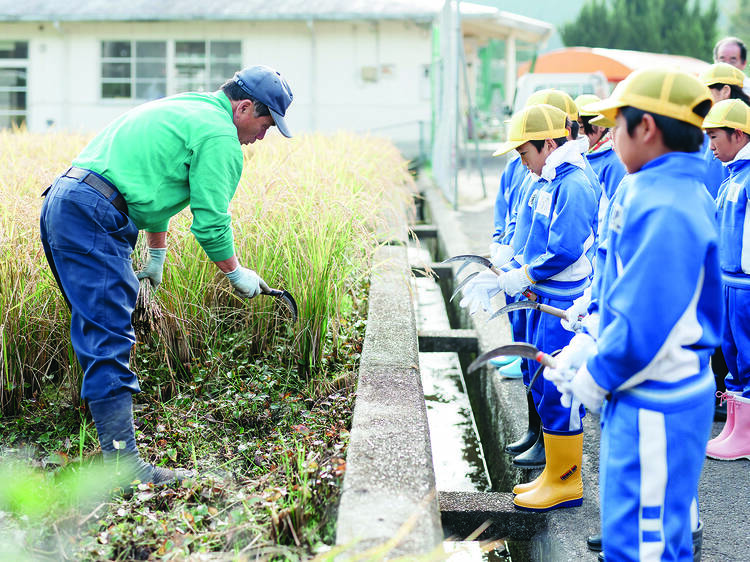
100, 184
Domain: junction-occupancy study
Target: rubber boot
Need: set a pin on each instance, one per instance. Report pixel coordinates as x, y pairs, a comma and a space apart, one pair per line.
532, 433
737, 444
594, 542
113, 418
728, 398
502, 360
698, 542
527, 486
512, 370
561, 484
534, 456
720, 370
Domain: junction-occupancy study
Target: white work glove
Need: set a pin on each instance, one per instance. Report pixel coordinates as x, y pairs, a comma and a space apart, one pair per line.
515, 281
154, 268
479, 291
590, 325
587, 391
246, 282
576, 313
500, 254
567, 363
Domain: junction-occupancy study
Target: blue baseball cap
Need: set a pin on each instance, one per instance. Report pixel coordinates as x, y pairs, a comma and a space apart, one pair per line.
267, 86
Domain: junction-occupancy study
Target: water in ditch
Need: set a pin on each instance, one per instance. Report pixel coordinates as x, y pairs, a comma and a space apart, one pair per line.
456, 448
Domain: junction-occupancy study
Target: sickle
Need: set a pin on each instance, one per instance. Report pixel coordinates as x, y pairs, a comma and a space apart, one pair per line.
286, 298
521, 305
521, 349
462, 284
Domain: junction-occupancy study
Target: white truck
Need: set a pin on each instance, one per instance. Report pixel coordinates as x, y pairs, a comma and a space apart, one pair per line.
574, 83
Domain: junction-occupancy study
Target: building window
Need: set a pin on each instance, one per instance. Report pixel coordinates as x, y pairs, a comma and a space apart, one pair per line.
134, 69
14, 62
145, 70
203, 66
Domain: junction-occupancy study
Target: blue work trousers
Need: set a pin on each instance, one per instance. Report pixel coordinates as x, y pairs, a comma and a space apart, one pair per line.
547, 334
88, 244
649, 466
735, 343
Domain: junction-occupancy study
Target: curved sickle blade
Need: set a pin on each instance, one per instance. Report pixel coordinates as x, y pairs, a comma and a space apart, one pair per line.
520, 305
462, 284
521, 349
463, 266
285, 297
471, 258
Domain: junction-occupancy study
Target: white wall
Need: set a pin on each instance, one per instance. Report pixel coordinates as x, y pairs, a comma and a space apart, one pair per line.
322, 61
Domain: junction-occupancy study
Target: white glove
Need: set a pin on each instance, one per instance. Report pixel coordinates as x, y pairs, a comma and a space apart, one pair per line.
246, 282
590, 325
515, 281
479, 291
587, 391
500, 254
568, 361
576, 313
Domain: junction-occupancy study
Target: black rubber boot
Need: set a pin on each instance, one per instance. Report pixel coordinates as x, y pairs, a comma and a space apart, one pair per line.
698, 542
113, 418
720, 369
532, 433
533, 457
594, 542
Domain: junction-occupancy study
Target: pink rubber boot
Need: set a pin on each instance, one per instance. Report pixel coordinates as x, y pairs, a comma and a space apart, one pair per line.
727, 397
737, 444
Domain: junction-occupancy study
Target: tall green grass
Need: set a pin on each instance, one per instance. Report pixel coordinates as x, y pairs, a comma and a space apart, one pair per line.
307, 216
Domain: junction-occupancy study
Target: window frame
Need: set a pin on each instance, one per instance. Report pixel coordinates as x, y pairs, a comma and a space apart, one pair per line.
23, 64
172, 60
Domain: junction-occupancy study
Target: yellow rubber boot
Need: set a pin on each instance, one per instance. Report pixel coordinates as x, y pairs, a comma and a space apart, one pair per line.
560, 485
528, 486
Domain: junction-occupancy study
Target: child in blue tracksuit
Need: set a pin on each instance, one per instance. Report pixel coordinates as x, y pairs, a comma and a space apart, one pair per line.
660, 319
555, 266
728, 127
600, 154
519, 201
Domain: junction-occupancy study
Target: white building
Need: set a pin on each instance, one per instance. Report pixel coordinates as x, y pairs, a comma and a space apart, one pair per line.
359, 65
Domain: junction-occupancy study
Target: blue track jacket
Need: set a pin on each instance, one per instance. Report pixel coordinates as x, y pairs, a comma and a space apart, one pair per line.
507, 198
561, 235
734, 222
660, 293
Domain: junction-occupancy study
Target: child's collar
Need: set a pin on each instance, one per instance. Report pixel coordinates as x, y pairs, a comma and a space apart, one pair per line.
567, 153
742, 154
604, 143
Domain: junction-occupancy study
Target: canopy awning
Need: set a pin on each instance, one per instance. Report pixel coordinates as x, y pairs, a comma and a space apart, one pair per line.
616, 64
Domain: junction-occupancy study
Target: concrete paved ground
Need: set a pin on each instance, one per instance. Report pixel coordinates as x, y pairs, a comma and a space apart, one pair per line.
724, 487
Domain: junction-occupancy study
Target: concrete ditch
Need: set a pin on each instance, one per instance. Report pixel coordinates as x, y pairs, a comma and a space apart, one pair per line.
390, 506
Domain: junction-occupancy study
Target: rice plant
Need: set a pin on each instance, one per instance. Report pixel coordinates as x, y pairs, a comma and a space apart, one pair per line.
307, 216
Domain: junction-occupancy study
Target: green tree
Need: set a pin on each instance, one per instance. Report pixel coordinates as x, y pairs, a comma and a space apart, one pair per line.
657, 26
739, 21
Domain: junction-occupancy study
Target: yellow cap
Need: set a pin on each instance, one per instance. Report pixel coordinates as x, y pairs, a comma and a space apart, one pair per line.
723, 73
602, 121
671, 93
534, 122
585, 99
733, 113
555, 98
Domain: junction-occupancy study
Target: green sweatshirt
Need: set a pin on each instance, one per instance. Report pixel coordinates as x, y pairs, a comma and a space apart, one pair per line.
168, 153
